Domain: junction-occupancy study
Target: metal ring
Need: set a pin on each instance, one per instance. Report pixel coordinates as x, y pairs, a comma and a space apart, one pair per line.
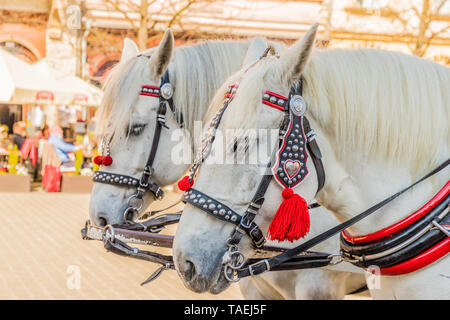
141, 202
112, 232
239, 255
125, 218
225, 273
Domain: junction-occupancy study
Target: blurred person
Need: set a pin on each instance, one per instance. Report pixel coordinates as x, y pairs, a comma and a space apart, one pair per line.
19, 130
62, 148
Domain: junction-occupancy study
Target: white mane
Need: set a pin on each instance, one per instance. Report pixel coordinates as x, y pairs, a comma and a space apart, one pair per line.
195, 72
387, 105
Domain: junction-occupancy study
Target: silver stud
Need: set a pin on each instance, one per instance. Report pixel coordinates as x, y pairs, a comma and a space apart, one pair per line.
227, 217
125, 180
234, 218
273, 99
192, 196
215, 211
222, 212
212, 206
280, 102
295, 148
116, 179
205, 206
266, 96
201, 201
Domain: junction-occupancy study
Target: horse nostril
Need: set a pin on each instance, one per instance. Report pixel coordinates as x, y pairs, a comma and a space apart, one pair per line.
102, 222
189, 270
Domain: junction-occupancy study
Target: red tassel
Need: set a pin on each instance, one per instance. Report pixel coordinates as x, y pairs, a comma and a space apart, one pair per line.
184, 184
107, 161
98, 160
291, 222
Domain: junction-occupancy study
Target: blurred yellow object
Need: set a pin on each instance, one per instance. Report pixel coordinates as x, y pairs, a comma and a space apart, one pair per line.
78, 161
13, 159
79, 139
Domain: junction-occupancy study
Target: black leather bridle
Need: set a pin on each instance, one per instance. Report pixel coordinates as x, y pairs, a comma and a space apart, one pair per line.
234, 263
165, 95
244, 224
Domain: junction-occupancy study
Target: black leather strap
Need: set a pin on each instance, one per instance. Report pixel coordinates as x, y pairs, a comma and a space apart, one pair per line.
271, 263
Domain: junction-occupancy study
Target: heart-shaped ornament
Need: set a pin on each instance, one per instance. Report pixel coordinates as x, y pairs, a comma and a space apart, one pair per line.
292, 168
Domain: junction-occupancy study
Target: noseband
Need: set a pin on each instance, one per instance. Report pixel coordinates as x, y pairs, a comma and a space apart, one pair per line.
165, 95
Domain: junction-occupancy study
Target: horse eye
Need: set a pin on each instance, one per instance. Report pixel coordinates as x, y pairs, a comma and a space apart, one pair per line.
136, 129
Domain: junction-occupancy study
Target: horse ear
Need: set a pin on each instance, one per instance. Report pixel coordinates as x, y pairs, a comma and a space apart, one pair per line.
295, 58
255, 50
161, 57
130, 49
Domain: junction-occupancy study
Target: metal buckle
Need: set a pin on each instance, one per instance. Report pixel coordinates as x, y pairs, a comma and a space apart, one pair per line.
250, 267
245, 226
311, 135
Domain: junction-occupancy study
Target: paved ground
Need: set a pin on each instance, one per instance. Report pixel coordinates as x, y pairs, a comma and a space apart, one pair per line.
41, 254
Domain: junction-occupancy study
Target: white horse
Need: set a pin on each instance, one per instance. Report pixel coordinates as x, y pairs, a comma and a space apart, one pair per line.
196, 72
381, 120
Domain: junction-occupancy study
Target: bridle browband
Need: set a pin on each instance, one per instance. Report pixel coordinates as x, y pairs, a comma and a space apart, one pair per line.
165, 95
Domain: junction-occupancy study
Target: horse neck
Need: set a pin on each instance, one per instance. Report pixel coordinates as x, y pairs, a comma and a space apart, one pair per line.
358, 177
198, 71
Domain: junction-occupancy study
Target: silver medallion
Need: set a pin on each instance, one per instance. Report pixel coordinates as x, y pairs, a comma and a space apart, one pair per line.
297, 105
166, 91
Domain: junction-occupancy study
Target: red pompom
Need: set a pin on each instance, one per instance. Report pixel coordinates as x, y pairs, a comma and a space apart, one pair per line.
98, 160
291, 222
287, 193
184, 184
107, 161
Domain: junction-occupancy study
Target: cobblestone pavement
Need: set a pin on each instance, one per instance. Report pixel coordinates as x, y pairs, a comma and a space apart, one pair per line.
41, 252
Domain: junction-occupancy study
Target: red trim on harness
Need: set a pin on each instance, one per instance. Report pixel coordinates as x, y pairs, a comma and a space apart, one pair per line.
150, 87
276, 95
420, 261
273, 105
401, 224
149, 94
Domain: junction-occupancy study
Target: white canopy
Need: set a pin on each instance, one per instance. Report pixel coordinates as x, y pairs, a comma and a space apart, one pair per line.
22, 83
